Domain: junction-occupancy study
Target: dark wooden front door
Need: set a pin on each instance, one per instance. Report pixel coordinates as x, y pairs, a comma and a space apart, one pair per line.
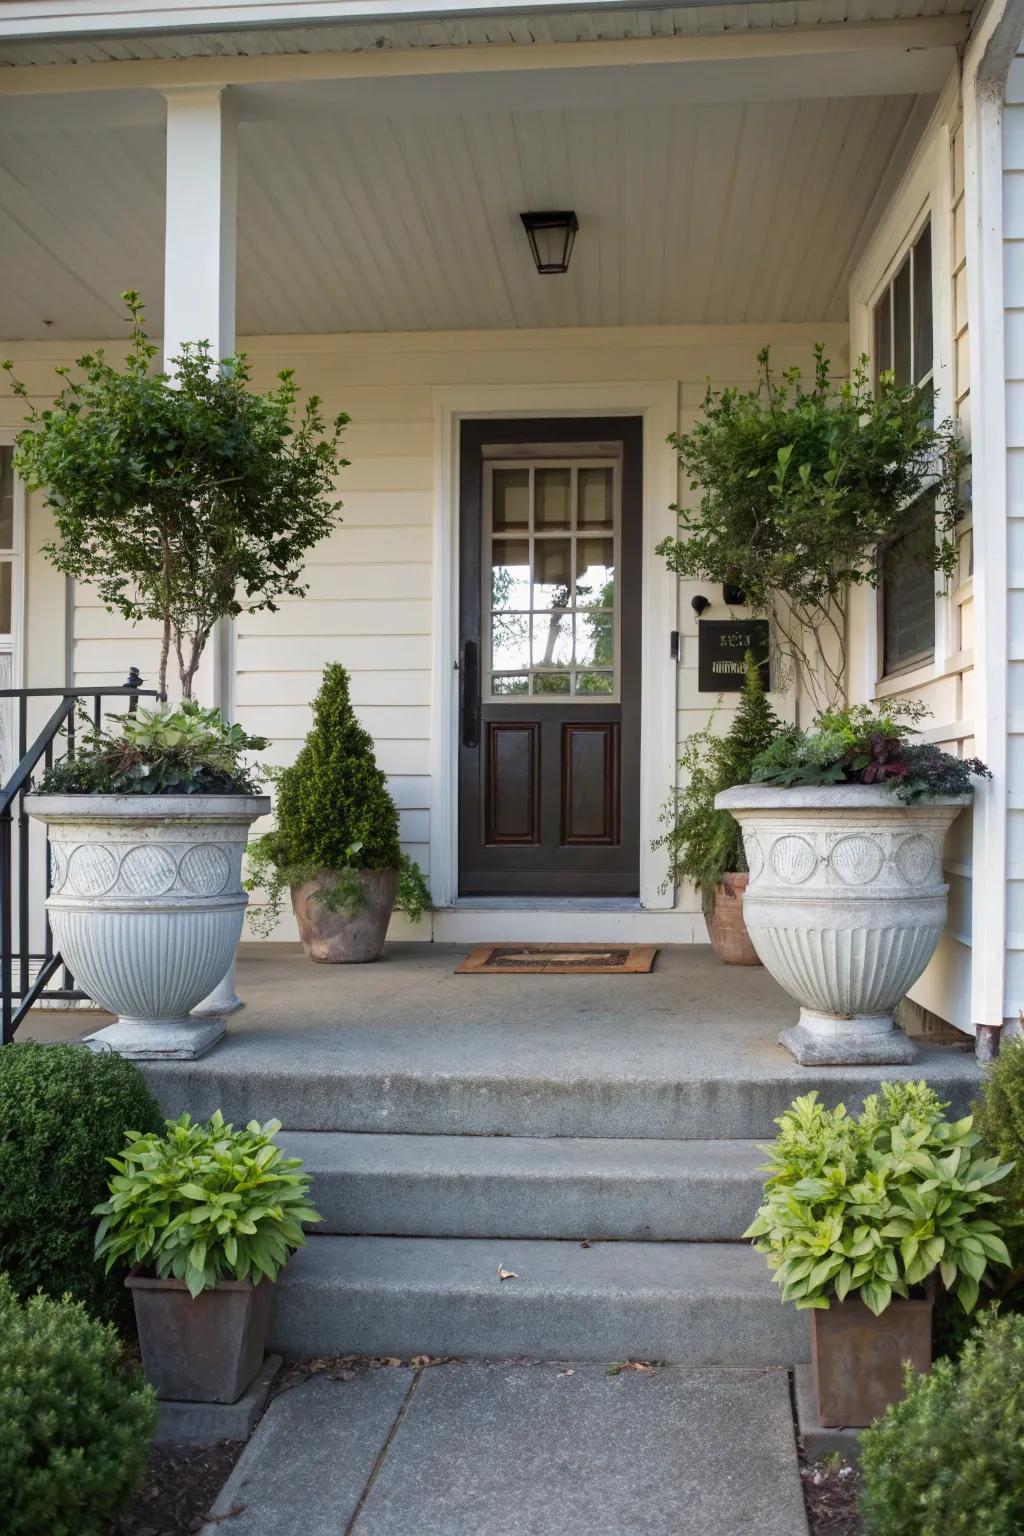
549, 657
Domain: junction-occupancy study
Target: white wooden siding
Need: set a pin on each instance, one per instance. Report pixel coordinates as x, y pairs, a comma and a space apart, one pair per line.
1013, 299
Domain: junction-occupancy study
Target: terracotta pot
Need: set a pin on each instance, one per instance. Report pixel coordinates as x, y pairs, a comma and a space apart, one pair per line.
334, 938
857, 1359
205, 1350
726, 928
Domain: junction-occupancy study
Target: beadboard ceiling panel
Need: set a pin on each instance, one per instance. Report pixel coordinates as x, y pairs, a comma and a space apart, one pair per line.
701, 212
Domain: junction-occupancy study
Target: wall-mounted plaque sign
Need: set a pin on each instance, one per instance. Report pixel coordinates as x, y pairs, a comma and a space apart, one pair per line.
722, 645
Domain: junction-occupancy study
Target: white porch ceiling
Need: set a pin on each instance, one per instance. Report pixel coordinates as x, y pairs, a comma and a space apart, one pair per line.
693, 212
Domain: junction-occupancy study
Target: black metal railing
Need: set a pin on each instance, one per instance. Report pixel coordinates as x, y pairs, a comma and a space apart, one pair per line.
19, 987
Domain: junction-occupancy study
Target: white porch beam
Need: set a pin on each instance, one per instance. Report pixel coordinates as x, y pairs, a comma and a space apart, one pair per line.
864, 42
201, 220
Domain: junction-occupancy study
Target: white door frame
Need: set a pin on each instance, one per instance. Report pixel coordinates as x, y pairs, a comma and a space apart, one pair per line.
658, 404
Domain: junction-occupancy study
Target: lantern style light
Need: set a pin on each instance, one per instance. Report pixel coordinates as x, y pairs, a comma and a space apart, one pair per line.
551, 237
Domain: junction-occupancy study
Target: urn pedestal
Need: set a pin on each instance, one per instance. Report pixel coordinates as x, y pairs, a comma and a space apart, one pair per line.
146, 908
845, 905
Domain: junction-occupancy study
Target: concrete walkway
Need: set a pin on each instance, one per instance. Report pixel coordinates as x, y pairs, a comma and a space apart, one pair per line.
521, 1450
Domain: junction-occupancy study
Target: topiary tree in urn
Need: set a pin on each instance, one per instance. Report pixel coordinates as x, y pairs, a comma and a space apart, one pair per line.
336, 844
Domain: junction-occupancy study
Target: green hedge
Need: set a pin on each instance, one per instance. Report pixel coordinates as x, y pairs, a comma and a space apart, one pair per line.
949, 1459
74, 1422
63, 1111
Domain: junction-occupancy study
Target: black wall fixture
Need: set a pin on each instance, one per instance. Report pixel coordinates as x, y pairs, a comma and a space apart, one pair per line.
699, 603
733, 596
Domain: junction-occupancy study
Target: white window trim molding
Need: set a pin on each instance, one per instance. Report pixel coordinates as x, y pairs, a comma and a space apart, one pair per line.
926, 193
657, 403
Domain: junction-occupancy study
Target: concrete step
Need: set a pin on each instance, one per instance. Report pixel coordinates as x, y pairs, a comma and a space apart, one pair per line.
411, 1086
535, 1187
688, 1303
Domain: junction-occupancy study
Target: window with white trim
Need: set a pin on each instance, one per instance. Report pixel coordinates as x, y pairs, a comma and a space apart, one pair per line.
904, 343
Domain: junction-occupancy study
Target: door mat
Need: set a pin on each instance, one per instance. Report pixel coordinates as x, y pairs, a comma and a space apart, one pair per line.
558, 959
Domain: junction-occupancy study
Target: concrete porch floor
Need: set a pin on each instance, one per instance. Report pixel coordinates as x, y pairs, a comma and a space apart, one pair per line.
687, 1051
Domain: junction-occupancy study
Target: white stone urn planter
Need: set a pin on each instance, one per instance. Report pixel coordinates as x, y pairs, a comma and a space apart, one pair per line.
845, 906
147, 908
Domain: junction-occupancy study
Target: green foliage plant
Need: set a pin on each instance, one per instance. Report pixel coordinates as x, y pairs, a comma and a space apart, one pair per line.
798, 486
875, 1204
867, 744
946, 1461
205, 1202
182, 499
704, 844
63, 1111
334, 815
75, 1421
999, 1119
185, 751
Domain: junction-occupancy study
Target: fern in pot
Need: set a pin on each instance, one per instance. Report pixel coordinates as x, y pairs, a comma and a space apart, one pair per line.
705, 845
335, 845
207, 1215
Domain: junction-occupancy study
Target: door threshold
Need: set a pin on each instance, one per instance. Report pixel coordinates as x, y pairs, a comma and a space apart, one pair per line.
546, 904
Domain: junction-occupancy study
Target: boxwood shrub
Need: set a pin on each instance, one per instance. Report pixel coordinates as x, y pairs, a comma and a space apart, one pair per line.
63, 1111
947, 1460
74, 1421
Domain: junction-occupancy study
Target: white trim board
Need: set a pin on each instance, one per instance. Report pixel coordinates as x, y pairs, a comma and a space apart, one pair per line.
658, 404
545, 925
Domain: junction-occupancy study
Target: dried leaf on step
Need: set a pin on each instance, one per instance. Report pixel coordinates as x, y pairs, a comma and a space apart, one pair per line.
636, 1365
569, 1372
585, 1243
387, 1360
418, 1360
506, 1274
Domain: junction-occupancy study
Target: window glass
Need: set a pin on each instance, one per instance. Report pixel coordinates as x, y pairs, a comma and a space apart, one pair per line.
908, 592
902, 362
6, 498
6, 597
923, 306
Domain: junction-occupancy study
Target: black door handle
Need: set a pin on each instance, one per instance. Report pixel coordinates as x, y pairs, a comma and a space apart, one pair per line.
470, 694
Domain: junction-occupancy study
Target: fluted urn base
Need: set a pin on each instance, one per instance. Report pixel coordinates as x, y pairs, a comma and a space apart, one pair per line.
146, 906
845, 905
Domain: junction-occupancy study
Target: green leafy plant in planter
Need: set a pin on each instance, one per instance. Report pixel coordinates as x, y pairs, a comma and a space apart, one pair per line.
704, 844
206, 1214
183, 499
876, 1204
336, 820
946, 1461
202, 1203
63, 1111
75, 1420
186, 751
999, 1120
799, 484
867, 744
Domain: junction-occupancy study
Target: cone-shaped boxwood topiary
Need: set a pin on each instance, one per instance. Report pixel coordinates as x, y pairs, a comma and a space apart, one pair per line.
63, 1111
74, 1420
335, 815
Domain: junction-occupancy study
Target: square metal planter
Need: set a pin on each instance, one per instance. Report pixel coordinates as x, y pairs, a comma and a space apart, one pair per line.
205, 1350
857, 1359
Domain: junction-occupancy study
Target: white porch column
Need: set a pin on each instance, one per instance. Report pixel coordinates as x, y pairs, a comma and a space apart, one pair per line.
199, 305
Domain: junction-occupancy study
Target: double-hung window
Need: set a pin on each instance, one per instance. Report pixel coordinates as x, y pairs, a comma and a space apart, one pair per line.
903, 342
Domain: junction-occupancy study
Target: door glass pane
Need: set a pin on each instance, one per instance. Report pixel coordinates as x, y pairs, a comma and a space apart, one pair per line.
510, 573
595, 498
510, 642
595, 573
551, 492
5, 597
595, 639
552, 639
552, 573
595, 682
507, 683
901, 323
6, 498
923, 306
552, 682
511, 489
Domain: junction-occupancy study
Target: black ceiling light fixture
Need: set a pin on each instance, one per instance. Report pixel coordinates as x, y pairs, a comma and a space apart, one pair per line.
551, 237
